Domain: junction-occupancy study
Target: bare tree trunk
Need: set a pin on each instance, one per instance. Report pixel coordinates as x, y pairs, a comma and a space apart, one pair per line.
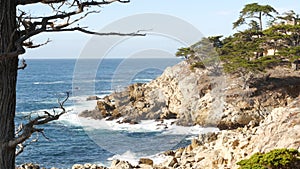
260, 21
8, 80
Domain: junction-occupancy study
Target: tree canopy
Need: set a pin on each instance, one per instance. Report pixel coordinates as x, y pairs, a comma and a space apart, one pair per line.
255, 11
253, 50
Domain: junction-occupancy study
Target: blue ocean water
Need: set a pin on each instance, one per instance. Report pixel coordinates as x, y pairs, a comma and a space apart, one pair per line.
43, 81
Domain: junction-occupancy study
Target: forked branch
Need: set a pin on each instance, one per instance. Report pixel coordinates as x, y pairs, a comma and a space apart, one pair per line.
28, 129
65, 14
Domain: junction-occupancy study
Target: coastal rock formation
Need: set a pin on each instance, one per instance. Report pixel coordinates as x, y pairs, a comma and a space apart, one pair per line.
87, 166
29, 166
280, 129
199, 97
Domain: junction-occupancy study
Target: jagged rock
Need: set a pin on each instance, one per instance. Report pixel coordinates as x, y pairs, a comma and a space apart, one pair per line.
207, 137
146, 161
117, 164
169, 153
95, 114
87, 165
197, 97
170, 162
178, 152
136, 91
168, 115
139, 104
188, 149
280, 129
104, 106
78, 166
144, 166
127, 120
29, 166
199, 157
186, 160
195, 143
92, 98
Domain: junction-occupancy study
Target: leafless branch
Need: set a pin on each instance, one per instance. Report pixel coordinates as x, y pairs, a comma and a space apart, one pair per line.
80, 29
21, 146
60, 21
29, 44
30, 128
26, 2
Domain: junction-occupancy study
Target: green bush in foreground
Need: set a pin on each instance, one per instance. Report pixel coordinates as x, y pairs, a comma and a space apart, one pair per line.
275, 159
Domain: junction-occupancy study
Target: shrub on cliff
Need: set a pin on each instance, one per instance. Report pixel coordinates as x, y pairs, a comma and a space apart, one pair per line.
275, 159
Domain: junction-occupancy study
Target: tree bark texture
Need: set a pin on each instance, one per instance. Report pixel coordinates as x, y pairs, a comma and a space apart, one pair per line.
8, 80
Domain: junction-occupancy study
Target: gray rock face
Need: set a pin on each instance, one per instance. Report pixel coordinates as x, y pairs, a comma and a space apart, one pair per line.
197, 97
280, 129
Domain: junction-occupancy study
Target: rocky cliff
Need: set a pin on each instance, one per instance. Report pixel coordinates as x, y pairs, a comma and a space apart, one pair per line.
262, 117
199, 97
280, 129
222, 150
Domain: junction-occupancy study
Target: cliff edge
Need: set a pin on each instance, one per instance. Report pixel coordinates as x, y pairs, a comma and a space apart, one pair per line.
197, 96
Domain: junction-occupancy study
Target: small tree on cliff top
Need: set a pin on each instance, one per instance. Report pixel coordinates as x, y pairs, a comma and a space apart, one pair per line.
16, 29
254, 11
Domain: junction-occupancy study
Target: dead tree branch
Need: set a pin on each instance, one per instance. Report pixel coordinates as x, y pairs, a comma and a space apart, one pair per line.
80, 29
29, 44
65, 14
30, 128
21, 146
26, 2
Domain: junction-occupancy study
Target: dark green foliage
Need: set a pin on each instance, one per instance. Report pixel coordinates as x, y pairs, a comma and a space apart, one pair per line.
203, 54
290, 16
275, 159
185, 52
254, 11
292, 53
242, 52
251, 51
216, 41
197, 65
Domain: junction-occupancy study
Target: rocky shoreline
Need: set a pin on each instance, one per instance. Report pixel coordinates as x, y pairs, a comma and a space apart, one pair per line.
280, 129
198, 97
262, 117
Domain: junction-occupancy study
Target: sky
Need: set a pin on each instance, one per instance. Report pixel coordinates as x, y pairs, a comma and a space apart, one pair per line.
213, 17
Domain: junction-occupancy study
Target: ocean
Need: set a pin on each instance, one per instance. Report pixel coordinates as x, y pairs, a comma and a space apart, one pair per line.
72, 140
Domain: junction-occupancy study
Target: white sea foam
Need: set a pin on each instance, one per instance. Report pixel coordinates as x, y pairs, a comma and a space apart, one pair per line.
142, 80
158, 158
143, 126
191, 130
80, 81
166, 127
107, 91
129, 156
47, 83
133, 158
